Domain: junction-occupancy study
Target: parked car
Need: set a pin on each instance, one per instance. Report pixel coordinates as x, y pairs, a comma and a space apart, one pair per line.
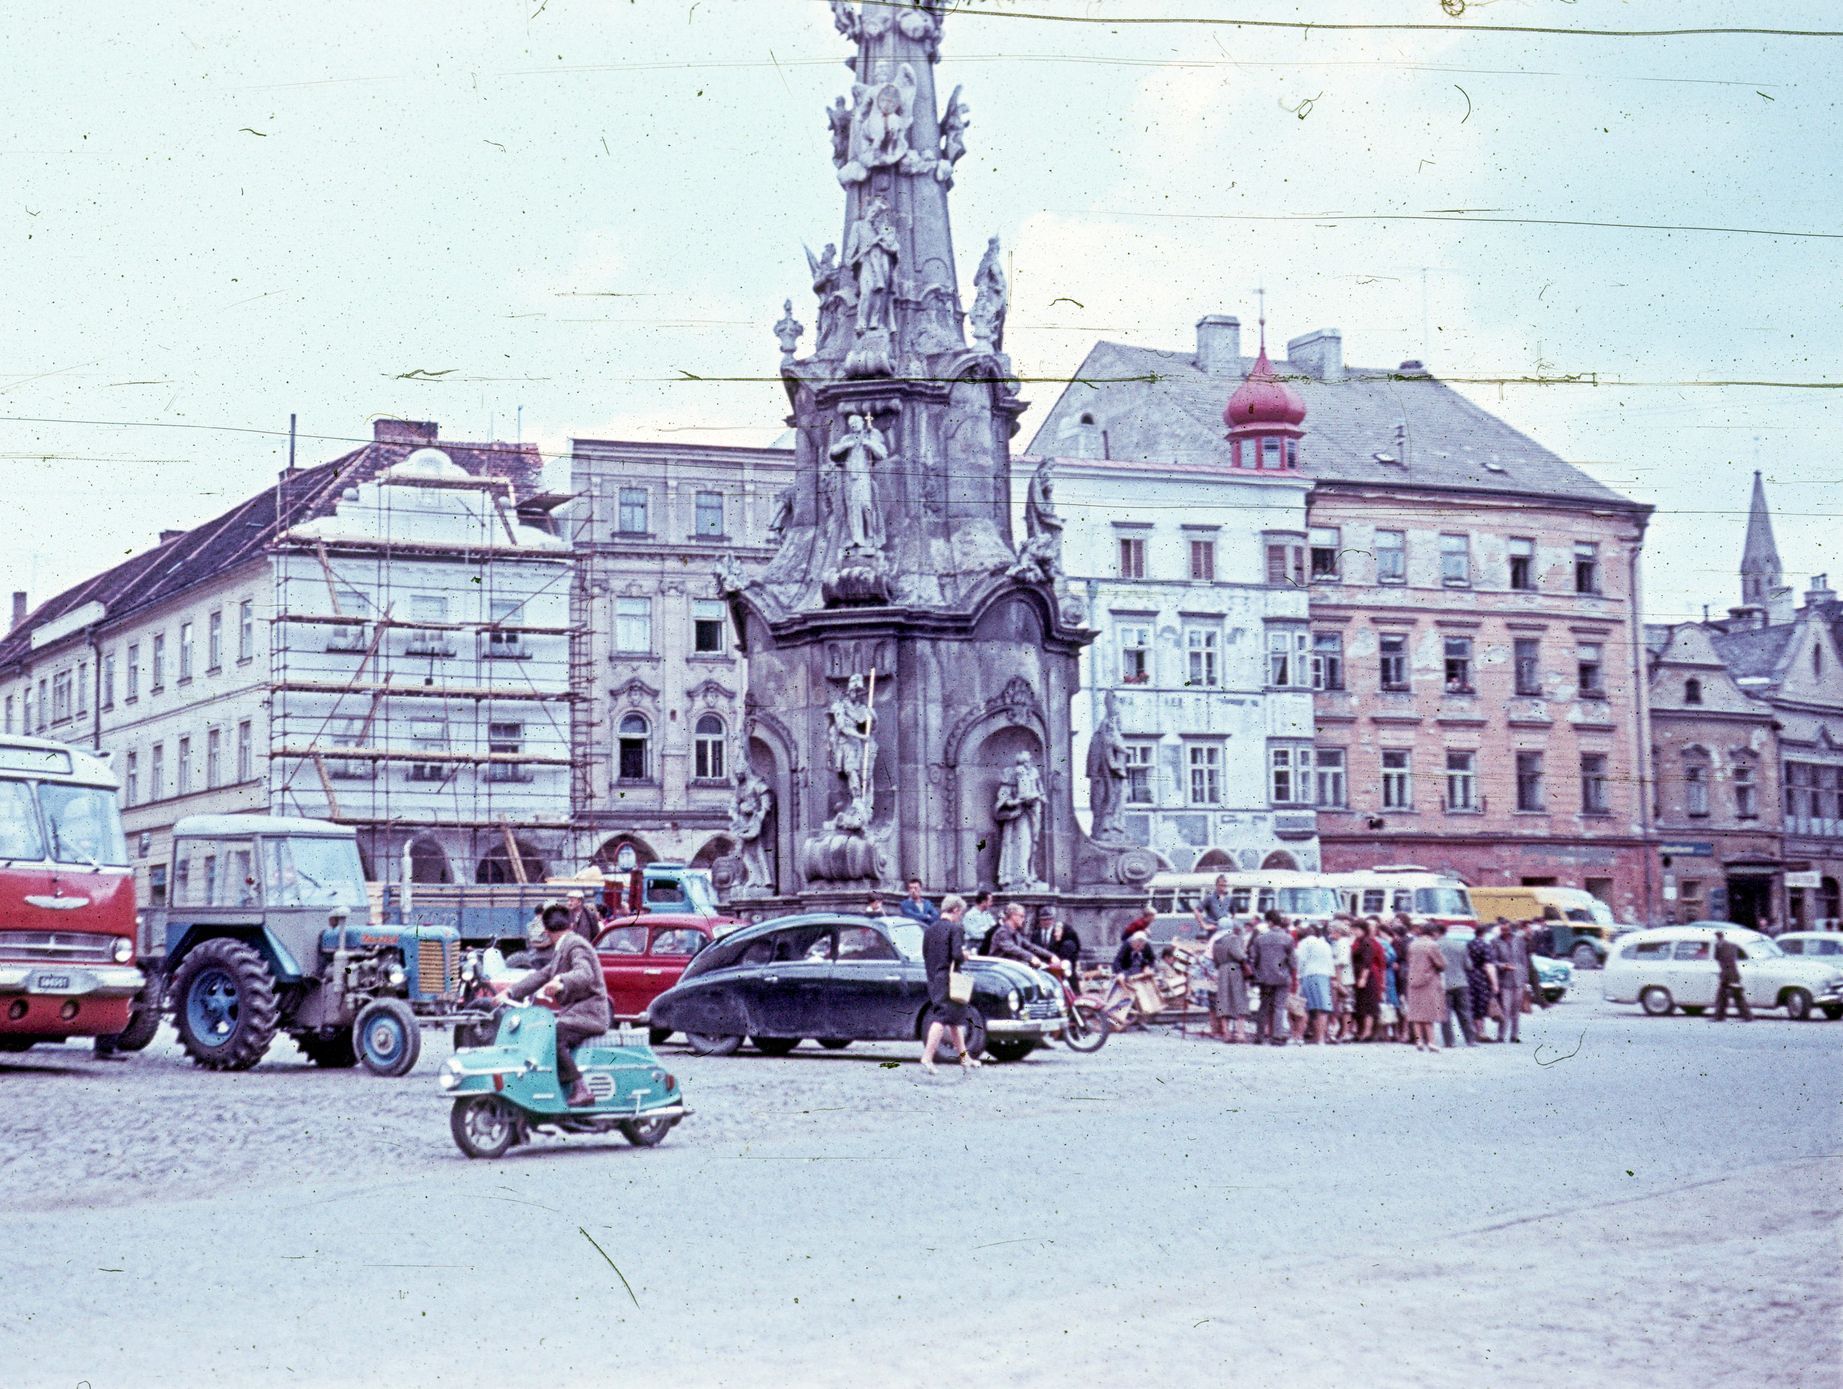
1826, 945
643, 956
1555, 976
1674, 967
841, 979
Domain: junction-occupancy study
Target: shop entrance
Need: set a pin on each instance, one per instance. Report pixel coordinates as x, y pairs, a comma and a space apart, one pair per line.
1750, 900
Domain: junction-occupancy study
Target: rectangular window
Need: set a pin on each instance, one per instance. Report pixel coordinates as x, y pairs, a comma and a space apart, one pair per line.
1586, 567
131, 780
246, 752
1201, 647
1289, 772
60, 696
1590, 670
1456, 561
185, 652
9, 714
1397, 779
1696, 792
708, 512
82, 688
1327, 563
1132, 557
214, 640
182, 765
156, 672
214, 758
1288, 660
1458, 655
351, 733
133, 690
1205, 765
1529, 781
246, 630
108, 681
430, 608
1135, 653
1139, 765
1527, 664
506, 740
1391, 557
1461, 780
501, 644
1286, 563
156, 772
1593, 784
44, 705
633, 626
708, 620
1327, 660
1333, 788
427, 736
1202, 558
1522, 564
1746, 794
631, 518
1392, 651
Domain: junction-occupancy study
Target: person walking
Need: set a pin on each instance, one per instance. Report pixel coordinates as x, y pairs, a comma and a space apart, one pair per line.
1481, 978
1228, 951
1511, 957
1452, 941
1343, 979
1270, 959
942, 954
1316, 964
1371, 964
1728, 980
1426, 1003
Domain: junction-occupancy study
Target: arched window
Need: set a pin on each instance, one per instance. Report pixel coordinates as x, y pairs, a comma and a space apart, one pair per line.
707, 749
633, 750
429, 862
1692, 691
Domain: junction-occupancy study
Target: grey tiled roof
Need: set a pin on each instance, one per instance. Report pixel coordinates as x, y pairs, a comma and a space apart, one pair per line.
1158, 406
1757, 654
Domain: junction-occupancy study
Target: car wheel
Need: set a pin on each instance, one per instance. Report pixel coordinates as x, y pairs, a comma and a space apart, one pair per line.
658, 1036
1656, 1001
1585, 956
775, 1046
645, 1133
713, 1043
1694, 1010
1554, 996
1833, 1011
386, 1037
973, 1029
1010, 1048
834, 1043
1797, 1004
483, 1125
224, 1005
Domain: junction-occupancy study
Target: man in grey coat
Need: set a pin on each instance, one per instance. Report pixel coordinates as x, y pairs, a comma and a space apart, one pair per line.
1458, 992
1270, 959
573, 984
1511, 956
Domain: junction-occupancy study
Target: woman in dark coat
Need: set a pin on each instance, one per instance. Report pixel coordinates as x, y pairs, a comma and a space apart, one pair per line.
1480, 978
942, 952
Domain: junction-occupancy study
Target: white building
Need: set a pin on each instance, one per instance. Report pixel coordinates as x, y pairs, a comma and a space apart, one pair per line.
1188, 567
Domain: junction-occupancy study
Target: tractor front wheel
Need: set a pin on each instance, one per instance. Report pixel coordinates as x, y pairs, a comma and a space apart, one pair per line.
387, 1037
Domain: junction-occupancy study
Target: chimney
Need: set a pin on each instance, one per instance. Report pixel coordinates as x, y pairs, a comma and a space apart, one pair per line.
1219, 344
19, 608
1319, 354
1748, 617
404, 431
1781, 606
1820, 591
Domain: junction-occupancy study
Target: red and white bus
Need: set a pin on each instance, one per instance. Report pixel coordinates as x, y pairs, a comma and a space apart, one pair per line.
67, 923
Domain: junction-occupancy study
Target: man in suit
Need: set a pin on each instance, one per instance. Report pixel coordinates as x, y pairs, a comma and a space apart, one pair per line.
1728, 981
1270, 959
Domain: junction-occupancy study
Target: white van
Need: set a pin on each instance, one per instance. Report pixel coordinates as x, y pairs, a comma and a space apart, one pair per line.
1310, 896
1423, 895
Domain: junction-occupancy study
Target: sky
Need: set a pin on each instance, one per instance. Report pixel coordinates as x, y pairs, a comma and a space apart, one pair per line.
580, 218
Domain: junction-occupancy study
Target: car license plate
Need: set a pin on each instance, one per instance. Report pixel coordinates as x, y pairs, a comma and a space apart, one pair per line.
48, 982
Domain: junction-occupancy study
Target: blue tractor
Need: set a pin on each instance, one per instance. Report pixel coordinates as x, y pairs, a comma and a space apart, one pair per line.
268, 929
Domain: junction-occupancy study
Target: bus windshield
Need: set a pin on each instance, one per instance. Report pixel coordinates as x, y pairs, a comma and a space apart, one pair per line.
83, 826
1442, 901
19, 833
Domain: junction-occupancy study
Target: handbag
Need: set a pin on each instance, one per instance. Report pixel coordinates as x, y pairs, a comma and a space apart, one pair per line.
959, 986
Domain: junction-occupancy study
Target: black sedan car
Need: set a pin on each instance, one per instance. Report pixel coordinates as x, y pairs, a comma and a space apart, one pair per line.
843, 979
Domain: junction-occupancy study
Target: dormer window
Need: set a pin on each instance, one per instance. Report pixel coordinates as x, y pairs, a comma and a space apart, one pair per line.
1692, 691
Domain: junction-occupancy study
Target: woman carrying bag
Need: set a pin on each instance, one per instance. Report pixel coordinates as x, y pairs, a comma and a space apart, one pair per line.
950, 989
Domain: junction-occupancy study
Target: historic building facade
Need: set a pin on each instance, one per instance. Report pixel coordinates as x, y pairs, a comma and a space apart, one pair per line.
1205, 661
1474, 641
659, 732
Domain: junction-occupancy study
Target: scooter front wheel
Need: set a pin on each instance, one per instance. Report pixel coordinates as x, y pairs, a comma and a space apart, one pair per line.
483, 1125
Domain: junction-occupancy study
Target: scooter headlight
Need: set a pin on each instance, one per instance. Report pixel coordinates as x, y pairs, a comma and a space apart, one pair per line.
449, 1076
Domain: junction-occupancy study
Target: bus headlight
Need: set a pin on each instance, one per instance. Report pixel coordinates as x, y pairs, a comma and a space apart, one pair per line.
122, 950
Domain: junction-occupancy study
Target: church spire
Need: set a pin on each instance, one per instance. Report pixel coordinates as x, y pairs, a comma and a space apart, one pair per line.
1760, 567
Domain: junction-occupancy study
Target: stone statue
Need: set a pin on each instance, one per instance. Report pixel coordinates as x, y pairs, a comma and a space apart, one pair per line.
787, 332
1107, 766
838, 117
781, 517
731, 576
988, 316
838, 297
857, 449
953, 137
1039, 558
1019, 811
882, 115
748, 822
851, 746
871, 252
845, 19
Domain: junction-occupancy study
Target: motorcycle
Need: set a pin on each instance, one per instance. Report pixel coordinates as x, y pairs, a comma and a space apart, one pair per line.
1088, 1023
505, 1092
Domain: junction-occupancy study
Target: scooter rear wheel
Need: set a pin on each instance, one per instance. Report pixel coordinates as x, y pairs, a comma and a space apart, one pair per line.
483, 1125
646, 1133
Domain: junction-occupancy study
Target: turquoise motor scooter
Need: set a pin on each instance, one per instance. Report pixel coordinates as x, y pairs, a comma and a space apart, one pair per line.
505, 1092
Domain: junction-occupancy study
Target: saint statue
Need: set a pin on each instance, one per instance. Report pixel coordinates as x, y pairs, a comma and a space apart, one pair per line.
837, 296
787, 332
748, 822
1039, 558
953, 137
851, 748
988, 316
838, 117
871, 251
1107, 767
859, 447
1019, 812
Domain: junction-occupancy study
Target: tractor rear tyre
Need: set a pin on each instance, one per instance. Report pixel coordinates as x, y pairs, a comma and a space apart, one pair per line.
224, 1005
387, 1037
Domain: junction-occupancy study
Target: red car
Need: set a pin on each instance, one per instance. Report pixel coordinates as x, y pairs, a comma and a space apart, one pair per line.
643, 956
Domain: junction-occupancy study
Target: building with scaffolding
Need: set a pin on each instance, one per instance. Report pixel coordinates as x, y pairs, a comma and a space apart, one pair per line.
181, 663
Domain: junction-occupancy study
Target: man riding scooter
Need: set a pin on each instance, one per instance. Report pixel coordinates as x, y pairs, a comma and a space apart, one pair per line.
573, 983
